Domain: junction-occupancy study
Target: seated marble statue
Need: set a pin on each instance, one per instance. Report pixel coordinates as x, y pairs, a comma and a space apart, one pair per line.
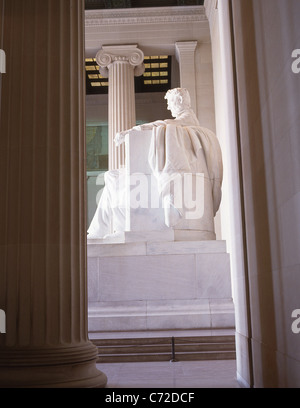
178, 147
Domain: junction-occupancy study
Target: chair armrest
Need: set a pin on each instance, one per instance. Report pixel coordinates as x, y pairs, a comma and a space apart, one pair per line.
137, 146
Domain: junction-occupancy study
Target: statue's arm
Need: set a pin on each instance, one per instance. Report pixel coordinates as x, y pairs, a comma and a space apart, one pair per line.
120, 136
149, 126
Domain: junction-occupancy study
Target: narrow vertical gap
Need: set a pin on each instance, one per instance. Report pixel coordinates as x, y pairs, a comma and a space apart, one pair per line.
81, 160
62, 238
74, 266
19, 179
43, 235
33, 166
83, 215
73, 176
242, 198
83, 186
47, 167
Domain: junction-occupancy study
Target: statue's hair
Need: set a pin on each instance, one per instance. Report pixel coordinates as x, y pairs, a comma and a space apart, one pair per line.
180, 93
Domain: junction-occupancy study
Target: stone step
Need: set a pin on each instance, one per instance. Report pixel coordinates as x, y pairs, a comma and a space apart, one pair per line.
154, 348
164, 340
161, 349
150, 357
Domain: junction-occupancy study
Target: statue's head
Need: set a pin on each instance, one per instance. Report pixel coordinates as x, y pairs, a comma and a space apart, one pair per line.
179, 100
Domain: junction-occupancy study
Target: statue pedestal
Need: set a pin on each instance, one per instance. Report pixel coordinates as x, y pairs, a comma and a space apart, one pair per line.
155, 284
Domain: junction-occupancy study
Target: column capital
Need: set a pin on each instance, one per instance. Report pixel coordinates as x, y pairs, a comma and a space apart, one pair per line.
185, 47
185, 54
110, 54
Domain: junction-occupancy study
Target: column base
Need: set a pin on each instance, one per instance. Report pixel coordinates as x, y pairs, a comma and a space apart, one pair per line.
29, 368
64, 376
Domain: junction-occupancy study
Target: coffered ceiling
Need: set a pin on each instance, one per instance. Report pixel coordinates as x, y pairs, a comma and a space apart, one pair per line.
110, 4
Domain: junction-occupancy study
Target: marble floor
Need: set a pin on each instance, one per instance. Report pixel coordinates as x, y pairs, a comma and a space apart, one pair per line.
184, 374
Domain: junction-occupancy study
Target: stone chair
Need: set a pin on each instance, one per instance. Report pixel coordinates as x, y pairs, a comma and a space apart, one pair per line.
147, 210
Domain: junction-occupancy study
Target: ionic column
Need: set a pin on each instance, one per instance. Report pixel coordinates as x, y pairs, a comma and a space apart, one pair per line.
42, 200
120, 63
185, 53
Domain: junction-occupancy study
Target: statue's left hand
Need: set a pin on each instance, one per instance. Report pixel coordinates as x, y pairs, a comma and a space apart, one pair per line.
120, 138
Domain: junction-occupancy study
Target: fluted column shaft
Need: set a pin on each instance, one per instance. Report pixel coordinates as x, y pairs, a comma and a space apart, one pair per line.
120, 64
42, 202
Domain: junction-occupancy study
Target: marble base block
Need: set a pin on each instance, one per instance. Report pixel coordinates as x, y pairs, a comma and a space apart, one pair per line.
159, 285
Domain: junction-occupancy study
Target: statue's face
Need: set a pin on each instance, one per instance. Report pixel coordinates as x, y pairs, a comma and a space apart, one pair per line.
174, 105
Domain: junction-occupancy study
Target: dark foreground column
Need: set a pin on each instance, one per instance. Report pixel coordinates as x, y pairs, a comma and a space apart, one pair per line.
42, 199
